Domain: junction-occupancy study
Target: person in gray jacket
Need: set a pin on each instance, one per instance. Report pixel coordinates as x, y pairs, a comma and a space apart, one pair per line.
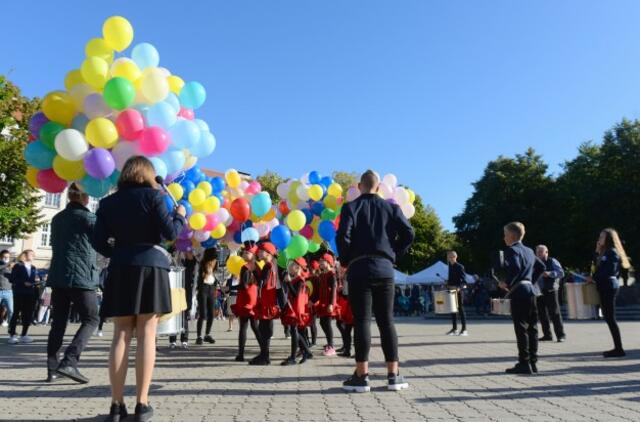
6, 292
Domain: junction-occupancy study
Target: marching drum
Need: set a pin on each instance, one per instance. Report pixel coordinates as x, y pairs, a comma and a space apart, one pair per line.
171, 324
576, 301
590, 294
501, 307
445, 302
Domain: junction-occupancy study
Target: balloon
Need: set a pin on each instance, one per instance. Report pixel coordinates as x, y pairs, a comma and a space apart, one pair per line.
174, 160
261, 204
314, 247
201, 236
235, 264
331, 202
250, 235
385, 191
98, 47
119, 93
282, 190
335, 190
94, 187
175, 83
68, 170
71, 145
219, 231
307, 232
352, 194
184, 245
326, 181
240, 209
327, 230
154, 141
80, 123
159, 166
162, 115
401, 195
48, 134
99, 163
94, 106
122, 152
298, 247
206, 187
176, 191
145, 55
154, 85
302, 192
328, 215
101, 133
130, 124
186, 113
316, 192
184, 134
168, 203
73, 78
314, 178
39, 156
217, 184
412, 196
188, 186
36, 122
197, 197
205, 146
212, 222
50, 182
296, 220
202, 125
233, 178
224, 216
283, 259
283, 208
408, 210
117, 32
126, 68
95, 71
79, 94
390, 180
59, 107
197, 221
192, 95
32, 177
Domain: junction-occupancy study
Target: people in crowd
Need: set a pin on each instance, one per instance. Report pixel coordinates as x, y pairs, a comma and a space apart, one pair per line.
23, 281
247, 299
344, 321
326, 307
267, 308
547, 302
6, 289
297, 315
231, 289
457, 280
206, 288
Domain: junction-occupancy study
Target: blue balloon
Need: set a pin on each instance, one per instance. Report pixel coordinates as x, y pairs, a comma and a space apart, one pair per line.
39, 156
187, 187
247, 224
237, 237
314, 178
192, 95
145, 55
308, 214
161, 114
114, 177
173, 101
205, 145
250, 235
168, 202
281, 237
326, 181
202, 125
334, 247
261, 204
160, 166
174, 160
217, 183
95, 187
184, 134
220, 197
80, 122
327, 231
317, 208
187, 206
209, 243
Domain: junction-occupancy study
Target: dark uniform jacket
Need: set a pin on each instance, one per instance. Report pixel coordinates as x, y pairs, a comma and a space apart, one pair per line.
521, 263
457, 275
608, 270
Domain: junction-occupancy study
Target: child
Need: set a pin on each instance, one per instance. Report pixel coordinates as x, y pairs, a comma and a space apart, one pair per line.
247, 299
326, 307
267, 309
296, 314
345, 317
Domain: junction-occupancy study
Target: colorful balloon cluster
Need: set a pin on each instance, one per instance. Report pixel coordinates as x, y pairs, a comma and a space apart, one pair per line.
112, 108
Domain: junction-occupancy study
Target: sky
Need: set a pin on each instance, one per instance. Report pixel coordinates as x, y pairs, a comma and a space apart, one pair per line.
428, 90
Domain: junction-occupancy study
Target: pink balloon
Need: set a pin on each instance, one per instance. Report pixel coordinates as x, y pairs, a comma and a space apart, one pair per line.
212, 222
130, 124
154, 141
186, 113
234, 227
307, 231
49, 181
253, 188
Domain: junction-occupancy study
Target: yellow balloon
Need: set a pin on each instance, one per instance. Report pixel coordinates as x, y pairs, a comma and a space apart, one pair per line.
197, 221
32, 176
331, 202
211, 204
59, 107
233, 178
154, 85
412, 196
316, 192
176, 191
219, 231
197, 197
175, 84
270, 215
98, 47
73, 78
101, 133
79, 92
206, 187
296, 220
95, 71
68, 170
117, 32
126, 68
235, 264
335, 190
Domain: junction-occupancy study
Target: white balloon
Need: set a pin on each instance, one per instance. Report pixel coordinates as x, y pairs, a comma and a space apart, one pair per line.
391, 180
94, 106
303, 192
123, 151
386, 191
283, 190
401, 196
201, 235
305, 178
71, 144
224, 216
408, 210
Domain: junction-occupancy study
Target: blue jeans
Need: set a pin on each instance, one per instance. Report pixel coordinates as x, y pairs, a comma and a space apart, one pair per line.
6, 299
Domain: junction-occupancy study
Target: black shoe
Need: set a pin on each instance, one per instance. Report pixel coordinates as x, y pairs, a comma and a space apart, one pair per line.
345, 354
615, 353
118, 413
545, 338
305, 357
51, 376
288, 361
562, 339
199, 341
209, 340
72, 373
239, 358
260, 361
534, 367
520, 368
144, 413
340, 350
357, 384
396, 382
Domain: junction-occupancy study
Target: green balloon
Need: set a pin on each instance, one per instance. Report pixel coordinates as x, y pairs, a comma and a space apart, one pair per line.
48, 133
299, 246
283, 259
314, 247
119, 93
328, 214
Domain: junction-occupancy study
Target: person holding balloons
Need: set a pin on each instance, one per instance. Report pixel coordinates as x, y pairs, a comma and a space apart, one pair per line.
326, 307
296, 314
247, 299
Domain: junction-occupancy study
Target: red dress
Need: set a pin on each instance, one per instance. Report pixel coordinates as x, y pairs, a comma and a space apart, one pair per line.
247, 295
345, 315
327, 295
267, 307
297, 310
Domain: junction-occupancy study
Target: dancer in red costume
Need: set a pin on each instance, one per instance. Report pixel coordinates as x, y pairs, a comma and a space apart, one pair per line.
326, 307
247, 299
267, 309
296, 314
344, 321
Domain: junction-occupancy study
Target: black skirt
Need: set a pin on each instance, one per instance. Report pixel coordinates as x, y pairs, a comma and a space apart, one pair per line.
134, 290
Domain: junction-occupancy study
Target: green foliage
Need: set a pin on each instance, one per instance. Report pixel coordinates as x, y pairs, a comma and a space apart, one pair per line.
19, 213
345, 179
270, 181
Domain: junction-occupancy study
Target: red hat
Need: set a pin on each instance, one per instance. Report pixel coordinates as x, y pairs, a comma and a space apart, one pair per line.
251, 249
301, 261
269, 248
315, 264
329, 258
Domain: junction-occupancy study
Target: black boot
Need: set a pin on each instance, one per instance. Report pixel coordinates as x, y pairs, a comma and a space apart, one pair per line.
117, 413
520, 368
144, 413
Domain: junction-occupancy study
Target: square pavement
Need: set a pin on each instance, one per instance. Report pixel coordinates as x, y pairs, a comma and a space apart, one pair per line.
452, 379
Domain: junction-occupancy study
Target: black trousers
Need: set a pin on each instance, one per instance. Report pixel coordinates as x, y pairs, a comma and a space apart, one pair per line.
85, 301
463, 316
345, 332
242, 333
608, 304
23, 306
314, 329
205, 308
299, 339
325, 323
549, 308
265, 332
525, 322
377, 294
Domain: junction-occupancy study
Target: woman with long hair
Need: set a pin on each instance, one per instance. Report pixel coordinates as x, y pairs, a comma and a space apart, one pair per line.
610, 259
247, 299
130, 226
206, 293
23, 278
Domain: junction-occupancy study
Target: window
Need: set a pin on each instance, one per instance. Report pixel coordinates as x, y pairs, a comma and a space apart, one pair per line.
45, 236
6, 240
52, 200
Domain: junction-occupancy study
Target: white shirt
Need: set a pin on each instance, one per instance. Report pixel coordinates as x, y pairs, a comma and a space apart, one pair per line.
209, 279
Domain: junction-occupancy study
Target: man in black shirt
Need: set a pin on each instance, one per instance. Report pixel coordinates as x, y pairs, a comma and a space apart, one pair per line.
457, 280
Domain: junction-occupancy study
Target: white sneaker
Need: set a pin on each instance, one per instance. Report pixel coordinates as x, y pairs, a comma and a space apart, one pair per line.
185, 345
172, 345
13, 340
26, 340
100, 334
463, 333
5, 324
452, 333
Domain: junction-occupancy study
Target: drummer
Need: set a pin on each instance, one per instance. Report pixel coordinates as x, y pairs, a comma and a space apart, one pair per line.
457, 280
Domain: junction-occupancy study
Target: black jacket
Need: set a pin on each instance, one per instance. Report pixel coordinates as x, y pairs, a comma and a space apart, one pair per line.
457, 275
137, 219
20, 277
608, 270
521, 263
373, 234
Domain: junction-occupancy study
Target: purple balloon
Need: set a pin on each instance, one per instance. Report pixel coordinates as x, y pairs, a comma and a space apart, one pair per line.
184, 245
186, 233
99, 163
37, 121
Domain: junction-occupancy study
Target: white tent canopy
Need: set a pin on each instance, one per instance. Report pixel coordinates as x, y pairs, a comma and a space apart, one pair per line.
435, 274
400, 277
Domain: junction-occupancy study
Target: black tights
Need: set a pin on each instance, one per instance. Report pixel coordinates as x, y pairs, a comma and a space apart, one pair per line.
242, 335
298, 338
608, 299
345, 332
314, 330
325, 323
265, 329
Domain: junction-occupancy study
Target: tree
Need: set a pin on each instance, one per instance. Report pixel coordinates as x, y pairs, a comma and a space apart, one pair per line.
345, 179
19, 213
269, 182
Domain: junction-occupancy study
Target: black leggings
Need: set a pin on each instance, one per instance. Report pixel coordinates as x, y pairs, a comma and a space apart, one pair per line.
242, 334
23, 306
463, 317
265, 329
314, 329
608, 304
345, 332
325, 323
298, 338
205, 308
377, 293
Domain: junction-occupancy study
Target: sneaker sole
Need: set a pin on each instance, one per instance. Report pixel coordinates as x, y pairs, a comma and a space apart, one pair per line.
398, 387
352, 389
